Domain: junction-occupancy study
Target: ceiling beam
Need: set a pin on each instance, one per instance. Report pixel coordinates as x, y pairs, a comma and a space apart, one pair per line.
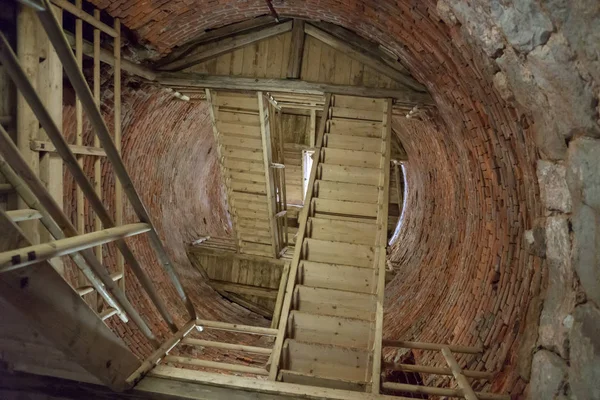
187, 79
214, 49
296, 50
216, 34
364, 57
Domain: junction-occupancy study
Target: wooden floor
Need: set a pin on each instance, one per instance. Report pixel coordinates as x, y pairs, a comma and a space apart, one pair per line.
332, 320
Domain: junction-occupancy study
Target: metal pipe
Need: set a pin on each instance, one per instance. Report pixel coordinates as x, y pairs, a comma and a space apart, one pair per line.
10, 62
60, 44
29, 198
19, 258
12, 155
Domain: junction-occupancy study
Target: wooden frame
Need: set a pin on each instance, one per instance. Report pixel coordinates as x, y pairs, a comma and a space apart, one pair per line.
296, 50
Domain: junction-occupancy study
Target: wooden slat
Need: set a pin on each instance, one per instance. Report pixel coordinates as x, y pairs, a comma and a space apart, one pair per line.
236, 130
347, 191
351, 158
225, 346
342, 231
360, 103
256, 248
245, 289
256, 177
69, 7
354, 127
313, 380
251, 206
326, 361
339, 253
348, 174
216, 365
345, 208
234, 121
240, 142
334, 276
242, 154
244, 213
236, 100
337, 303
352, 113
347, 142
326, 329
243, 165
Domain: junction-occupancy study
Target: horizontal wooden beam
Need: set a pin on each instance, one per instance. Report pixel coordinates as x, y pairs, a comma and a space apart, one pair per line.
431, 346
423, 369
23, 215
205, 250
6, 188
83, 290
436, 391
363, 57
187, 79
244, 289
42, 146
224, 326
226, 45
216, 365
226, 346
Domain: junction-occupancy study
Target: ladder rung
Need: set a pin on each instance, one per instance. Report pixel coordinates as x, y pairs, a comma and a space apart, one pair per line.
106, 314
23, 215
6, 188
83, 290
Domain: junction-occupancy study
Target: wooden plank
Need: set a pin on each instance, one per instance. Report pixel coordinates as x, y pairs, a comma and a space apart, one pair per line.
360, 103
97, 165
348, 174
339, 253
224, 326
351, 158
238, 129
353, 113
244, 289
44, 146
347, 142
240, 142
403, 95
345, 208
256, 248
215, 365
462, 381
342, 231
280, 294
423, 369
237, 100
437, 391
243, 165
251, 198
363, 57
225, 346
251, 206
247, 121
118, 63
214, 49
54, 308
336, 303
267, 146
334, 276
251, 214
313, 380
346, 191
355, 127
330, 330
23, 215
240, 154
327, 361
79, 13
296, 49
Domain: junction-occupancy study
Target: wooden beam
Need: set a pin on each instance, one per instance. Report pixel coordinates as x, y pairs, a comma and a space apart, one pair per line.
226, 45
431, 346
364, 57
226, 346
23, 215
289, 86
216, 365
55, 309
224, 326
229, 254
280, 294
44, 146
424, 369
462, 381
296, 50
215, 34
260, 310
436, 391
360, 42
244, 289
79, 13
6, 188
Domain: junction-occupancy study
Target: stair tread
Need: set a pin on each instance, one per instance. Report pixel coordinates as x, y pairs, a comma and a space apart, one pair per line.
334, 302
337, 276
330, 330
313, 380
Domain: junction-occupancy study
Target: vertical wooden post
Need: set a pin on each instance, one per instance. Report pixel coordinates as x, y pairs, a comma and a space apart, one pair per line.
313, 128
50, 90
265, 131
79, 120
296, 50
27, 124
97, 165
381, 243
117, 139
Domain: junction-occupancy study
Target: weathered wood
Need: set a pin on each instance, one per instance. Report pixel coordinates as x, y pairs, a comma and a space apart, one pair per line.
189, 79
97, 165
423, 369
363, 57
431, 346
226, 346
15, 259
51, 306
23, 215
6, 188
220, 253
463, 384
296, 50
435, 391
216, 365
330, 330
80, 14
280, 294
224, 326
225, 45
245, 289
44, 146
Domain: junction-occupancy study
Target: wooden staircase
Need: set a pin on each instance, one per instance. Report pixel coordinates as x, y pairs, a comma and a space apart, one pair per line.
332, 332
241, 128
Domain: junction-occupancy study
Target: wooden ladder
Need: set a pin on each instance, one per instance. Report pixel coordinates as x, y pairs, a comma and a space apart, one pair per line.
331, 335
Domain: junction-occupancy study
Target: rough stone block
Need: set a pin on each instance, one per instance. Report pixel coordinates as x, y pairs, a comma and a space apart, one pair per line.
523, 23
584, 371
583, 175
553, 186
548, 374
586, 250
560, 294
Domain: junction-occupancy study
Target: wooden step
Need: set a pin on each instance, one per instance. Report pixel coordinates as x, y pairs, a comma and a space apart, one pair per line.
348, 208
362, 103
240, 142
236, 118
342, 231
336, 276
336, 303
258, 249
354, 127
247, 130
258, 177
243, 155
326, 361
244, 232
347, 142
326, 329
348, 174
234, 164
354, 113
255, 238
346, 191
248, 205
351, 158
312, 380
324, 251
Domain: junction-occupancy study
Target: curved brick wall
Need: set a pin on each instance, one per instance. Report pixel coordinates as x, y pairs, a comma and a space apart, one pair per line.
466, 276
